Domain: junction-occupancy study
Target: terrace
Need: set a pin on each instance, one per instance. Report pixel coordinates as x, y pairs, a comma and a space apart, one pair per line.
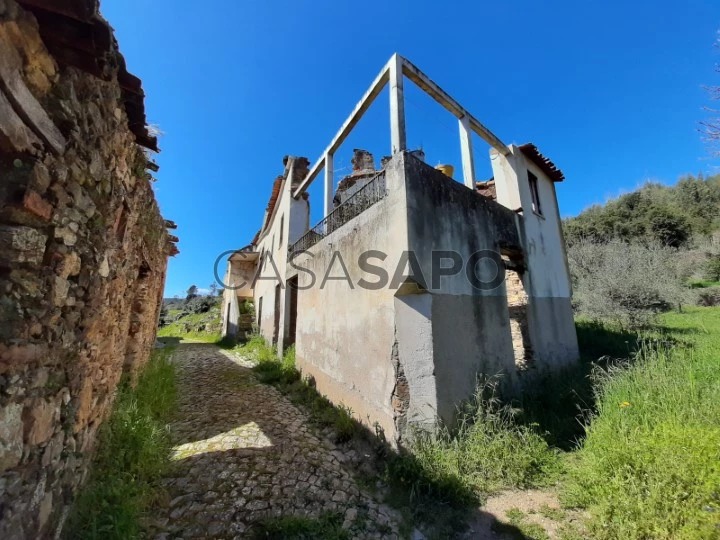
393, 74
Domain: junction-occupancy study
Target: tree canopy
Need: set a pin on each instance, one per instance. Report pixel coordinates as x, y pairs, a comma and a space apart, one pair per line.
669, 215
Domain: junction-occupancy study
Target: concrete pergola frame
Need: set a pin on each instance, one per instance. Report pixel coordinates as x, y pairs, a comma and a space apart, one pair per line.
394, 73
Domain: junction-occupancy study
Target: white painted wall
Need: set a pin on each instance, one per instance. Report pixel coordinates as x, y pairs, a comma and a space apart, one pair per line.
238, 279
346, 336
543, 239
547, 279
288, 223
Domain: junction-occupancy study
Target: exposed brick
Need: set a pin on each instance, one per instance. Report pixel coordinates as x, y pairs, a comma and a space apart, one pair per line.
34, 203
39, 419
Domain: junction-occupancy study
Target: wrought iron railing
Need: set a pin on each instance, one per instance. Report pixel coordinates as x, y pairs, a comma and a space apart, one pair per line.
356, 204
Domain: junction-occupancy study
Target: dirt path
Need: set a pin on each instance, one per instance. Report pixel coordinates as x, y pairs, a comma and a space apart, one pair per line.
243, 453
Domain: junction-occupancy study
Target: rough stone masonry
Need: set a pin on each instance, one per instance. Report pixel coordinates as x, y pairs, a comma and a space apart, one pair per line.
83, 250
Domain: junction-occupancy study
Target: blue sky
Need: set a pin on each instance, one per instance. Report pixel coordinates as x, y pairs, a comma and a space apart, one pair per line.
611, 91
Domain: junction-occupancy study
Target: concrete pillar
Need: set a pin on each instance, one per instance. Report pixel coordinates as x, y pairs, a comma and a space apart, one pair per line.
415, 397
505, 171
328, 184
468, 164
397, 106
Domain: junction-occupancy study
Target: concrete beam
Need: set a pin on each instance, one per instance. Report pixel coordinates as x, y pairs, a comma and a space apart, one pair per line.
438, 94
397, 67
466, 152
397, 105
362, 106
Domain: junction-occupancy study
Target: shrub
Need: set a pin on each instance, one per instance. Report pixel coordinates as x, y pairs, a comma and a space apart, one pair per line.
667, 227
709, 297
200, 304
711, 270
246, 307
628, 284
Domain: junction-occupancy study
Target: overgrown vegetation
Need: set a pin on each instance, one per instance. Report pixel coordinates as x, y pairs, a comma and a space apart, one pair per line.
174, 309
562, 402
487, 451
133, 452
647, 252
632, 433
628, 284
649, 465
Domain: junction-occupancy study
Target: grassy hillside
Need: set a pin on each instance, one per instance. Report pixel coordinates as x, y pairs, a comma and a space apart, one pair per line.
194, 326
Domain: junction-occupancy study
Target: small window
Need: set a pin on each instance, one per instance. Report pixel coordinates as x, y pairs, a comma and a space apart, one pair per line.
259, 312
534, 193
282, 226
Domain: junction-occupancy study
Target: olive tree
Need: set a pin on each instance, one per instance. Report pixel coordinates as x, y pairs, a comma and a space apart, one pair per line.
627, 283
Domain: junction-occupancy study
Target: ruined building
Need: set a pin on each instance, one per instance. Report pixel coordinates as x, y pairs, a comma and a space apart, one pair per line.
83, 250
408, 348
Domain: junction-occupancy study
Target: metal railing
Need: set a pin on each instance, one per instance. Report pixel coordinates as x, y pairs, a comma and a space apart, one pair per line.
356, 204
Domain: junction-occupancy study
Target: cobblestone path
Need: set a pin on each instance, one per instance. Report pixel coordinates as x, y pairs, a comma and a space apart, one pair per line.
243, 452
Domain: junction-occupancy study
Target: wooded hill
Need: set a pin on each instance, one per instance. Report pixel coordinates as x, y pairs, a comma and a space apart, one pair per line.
670, 215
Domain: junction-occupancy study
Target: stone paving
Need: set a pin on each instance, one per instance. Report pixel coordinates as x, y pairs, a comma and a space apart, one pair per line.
243, 452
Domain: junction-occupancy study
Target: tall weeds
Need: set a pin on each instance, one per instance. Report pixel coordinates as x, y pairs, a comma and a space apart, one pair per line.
133, 452
650, 464
487, 450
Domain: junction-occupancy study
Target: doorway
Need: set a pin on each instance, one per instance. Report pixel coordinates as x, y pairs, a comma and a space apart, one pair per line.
292, 319
276, 323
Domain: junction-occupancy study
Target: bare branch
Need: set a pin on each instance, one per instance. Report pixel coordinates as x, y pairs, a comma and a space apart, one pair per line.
710, 128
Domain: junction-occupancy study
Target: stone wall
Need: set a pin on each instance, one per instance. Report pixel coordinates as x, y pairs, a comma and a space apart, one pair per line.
83, 254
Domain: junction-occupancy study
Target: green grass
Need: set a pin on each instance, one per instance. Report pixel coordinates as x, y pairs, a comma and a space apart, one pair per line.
327, 526
650, 463
518, 527
132, 455
560, 404
702, 283
448, 471
177, 329
487, 451
269, 368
